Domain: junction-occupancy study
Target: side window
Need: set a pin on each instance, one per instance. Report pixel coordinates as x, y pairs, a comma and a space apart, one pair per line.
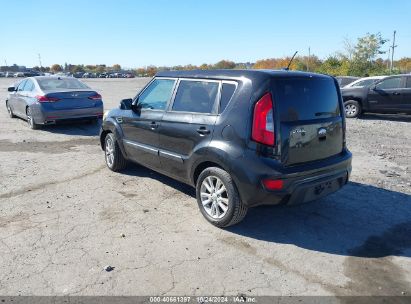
20, 88
196, 96
227, 92
29, 86
391, 83
409, 82
156, 95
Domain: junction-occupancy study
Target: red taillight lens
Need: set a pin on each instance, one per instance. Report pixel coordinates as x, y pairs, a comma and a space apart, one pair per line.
273, 184
95, 97
263, 121
47, 99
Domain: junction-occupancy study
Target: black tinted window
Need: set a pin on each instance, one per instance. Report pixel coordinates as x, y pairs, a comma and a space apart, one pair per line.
226, 94
195, 96
390, 83
306, 98
409, 82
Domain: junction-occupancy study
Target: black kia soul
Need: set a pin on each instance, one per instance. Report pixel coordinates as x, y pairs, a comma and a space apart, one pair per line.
242, 138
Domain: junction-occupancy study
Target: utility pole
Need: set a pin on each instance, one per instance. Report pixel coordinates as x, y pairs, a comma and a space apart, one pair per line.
309, 57
39, 60
392, 53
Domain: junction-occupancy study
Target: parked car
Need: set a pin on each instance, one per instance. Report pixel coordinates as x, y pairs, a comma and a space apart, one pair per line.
363, 82
389, 95
2, 74
129, 75
345, 80
48, 100
19, 74
242, 138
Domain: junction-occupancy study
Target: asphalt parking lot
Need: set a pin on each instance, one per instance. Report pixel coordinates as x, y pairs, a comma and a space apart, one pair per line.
63, 215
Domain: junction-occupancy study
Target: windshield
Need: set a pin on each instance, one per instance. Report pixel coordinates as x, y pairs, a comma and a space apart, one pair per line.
57, 83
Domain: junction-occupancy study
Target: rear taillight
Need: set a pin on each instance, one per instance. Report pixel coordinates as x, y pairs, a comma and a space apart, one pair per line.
273, 184
263, 121
46, 99
95, 97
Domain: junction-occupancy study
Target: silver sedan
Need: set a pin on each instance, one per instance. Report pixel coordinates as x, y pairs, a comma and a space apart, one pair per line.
47, 100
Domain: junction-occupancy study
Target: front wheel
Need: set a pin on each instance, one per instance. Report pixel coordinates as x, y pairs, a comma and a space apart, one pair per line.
218, 198
114, 157
352, 108
9, 110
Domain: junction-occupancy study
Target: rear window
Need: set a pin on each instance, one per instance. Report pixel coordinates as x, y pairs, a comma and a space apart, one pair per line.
306, 98
195, 96
50, 84
227, 92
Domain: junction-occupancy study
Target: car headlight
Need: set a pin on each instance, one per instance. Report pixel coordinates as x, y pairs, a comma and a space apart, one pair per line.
105, 115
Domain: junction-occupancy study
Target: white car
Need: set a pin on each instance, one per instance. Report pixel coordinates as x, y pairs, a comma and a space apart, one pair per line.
363, 82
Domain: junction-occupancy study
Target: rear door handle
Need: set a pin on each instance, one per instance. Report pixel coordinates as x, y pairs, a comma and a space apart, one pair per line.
153, 125
396, 93
203, 131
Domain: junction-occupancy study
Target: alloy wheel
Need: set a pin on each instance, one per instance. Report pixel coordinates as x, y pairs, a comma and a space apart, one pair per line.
110, 152
30, 118
214, 197
350, 109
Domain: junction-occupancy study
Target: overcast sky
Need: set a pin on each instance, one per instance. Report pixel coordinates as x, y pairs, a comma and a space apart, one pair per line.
137, 33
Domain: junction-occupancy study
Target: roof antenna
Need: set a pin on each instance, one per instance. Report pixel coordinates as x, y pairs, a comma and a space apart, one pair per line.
291, 60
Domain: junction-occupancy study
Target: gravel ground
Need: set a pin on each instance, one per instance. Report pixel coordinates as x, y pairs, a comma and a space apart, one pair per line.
64, 217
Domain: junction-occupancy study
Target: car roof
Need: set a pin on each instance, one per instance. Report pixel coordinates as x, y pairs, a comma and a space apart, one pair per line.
251, 74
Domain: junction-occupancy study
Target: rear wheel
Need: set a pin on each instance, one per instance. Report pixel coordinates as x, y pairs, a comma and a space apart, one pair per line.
9, 110
30, 120
352, 108
218, 198
114, 157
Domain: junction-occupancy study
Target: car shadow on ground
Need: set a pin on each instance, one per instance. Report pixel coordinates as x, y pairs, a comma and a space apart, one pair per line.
359, 220
81, 128
387, 117
140, 171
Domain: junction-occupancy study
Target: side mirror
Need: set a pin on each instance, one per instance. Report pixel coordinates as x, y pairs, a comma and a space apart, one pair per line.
126, 104
11, 89
374, 87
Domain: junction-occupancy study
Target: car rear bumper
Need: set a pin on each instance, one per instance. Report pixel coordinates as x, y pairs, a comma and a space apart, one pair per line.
315, 181
42, 116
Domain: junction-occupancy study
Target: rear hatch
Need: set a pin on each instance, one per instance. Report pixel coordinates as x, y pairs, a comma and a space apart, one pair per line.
70, 100
311, 125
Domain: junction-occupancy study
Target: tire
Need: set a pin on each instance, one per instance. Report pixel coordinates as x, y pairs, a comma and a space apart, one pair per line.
115, 160
9, 110
30, 120
352, 109
220, 209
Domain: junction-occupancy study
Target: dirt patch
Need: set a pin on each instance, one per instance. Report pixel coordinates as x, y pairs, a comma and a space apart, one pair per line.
51, 147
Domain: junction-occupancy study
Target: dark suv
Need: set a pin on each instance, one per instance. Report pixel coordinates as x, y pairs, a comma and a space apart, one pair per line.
390, 95
241, 138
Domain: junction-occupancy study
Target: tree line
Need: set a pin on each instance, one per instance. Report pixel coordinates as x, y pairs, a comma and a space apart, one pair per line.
364, 57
